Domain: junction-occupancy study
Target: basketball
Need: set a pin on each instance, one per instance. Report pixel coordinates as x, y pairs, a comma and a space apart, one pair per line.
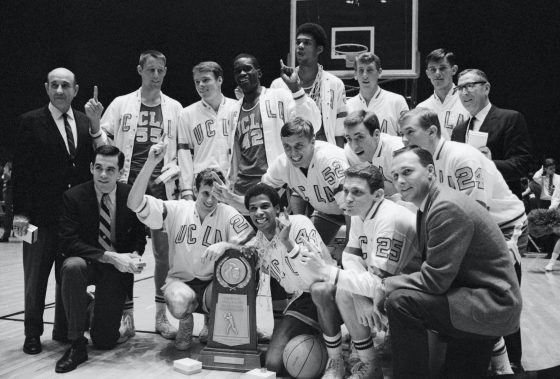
305, 356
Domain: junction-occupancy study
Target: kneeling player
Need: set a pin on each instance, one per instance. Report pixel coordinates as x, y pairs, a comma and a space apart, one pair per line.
279, 243
191, 227
382, 243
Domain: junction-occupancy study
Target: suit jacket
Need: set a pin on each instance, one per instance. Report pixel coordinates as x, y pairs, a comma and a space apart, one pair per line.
508, 140
79, 224
42, 167
467, 260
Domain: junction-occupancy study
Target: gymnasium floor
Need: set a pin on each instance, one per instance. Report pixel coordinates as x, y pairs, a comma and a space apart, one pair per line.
148, 355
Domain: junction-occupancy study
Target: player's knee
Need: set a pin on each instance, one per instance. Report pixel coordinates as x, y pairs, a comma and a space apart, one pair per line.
344, 299
73, 265
322, 293
274, 361
180, 299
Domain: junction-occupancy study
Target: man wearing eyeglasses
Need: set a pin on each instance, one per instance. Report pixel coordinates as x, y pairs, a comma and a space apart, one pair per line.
440, 69
508, 143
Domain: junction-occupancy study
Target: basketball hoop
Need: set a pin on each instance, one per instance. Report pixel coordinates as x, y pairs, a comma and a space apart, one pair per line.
350, 51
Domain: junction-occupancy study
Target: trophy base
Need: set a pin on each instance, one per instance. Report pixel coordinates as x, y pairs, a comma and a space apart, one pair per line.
229, 360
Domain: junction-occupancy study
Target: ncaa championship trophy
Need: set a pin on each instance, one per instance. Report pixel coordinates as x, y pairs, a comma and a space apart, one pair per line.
232, 332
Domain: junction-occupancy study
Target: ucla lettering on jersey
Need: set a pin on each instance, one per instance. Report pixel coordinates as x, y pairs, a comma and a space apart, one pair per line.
251, 132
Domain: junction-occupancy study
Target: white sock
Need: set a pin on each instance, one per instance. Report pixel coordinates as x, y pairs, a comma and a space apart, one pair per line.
499, 363
334, 345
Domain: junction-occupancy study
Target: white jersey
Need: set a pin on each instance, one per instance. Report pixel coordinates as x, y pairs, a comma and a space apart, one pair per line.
188, 237
324, 178
382, 157
331, 103
283, 265
385, 240
387, 106
465, 168
205, 133
450, 113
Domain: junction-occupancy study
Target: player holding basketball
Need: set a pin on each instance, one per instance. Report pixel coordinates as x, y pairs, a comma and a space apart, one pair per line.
204, 127
464, 168
279, 242
134, 123
191, 228
387, 105
314, 170
382, 243
323, 87
440, 69
366, 143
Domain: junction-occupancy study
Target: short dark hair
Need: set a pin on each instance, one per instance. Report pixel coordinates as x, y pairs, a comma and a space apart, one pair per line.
369, 119
439, 55
262, 189
151, 53
316, 31
426, 118
249, 56
109, 151
367, 58
424, 156
298, 126
209, 66
371, 174
476, 71
549, 162
205, 177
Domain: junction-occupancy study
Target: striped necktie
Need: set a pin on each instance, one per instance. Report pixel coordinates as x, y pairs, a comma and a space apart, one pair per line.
105, 224
420, 232
550, 185
69, 137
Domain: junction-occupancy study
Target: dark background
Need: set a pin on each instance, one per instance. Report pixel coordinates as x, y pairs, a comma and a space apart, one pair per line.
514, 42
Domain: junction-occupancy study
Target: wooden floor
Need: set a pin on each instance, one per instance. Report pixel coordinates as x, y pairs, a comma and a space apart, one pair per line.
148, 355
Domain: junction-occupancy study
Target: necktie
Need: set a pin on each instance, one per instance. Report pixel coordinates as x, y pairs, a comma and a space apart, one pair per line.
69, 137
471, 123
420, 234
105, 224
550, 185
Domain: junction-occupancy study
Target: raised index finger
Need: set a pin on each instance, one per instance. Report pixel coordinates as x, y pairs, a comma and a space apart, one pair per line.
95, 92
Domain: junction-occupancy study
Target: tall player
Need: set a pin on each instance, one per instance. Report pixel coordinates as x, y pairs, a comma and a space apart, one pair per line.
466, 169
440, 69
256, 123
191, 227
314, 170
204, 127
382, 243
324, 88
387, 105
133, 123
366, 143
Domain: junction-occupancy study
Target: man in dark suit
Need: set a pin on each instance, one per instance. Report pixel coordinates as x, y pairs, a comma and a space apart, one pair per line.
466, 289
101, 241
508, 142
53, 152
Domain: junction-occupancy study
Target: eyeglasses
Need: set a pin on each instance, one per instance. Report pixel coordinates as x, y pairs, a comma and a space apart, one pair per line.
469, 86
433, 70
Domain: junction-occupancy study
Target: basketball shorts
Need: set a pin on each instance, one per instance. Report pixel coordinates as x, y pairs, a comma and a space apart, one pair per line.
304, 310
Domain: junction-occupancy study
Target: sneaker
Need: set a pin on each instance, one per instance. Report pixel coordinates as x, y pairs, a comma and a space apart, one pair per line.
365, 370
203, 335
334, 369
183, 340
127, 329
549, 267
164, 327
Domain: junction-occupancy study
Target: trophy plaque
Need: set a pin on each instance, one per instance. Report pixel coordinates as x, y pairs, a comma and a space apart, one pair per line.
232, 330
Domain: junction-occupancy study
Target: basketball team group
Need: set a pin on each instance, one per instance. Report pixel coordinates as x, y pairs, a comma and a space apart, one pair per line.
428, 199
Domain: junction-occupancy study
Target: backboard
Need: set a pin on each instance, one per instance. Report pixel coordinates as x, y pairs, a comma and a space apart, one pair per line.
389, 28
